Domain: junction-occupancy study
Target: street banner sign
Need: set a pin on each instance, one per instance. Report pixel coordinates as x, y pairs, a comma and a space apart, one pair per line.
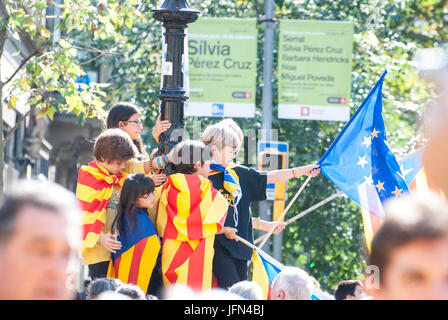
314, 70
222, 61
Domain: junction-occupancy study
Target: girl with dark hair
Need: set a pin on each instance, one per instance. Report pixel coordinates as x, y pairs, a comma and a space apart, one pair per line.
126, 116
138, 237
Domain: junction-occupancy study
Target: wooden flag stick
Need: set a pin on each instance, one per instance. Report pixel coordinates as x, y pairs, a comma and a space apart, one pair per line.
286, 210
301, 214
247, 243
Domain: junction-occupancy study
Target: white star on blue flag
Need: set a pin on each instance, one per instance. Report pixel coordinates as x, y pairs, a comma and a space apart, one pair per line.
359, 160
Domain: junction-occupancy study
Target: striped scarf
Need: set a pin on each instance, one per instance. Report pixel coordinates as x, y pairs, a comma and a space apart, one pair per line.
94, 189
189, 214
231, 185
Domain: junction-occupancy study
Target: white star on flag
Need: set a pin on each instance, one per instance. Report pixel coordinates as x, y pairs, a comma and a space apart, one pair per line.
367, 141
362, 161
368, 180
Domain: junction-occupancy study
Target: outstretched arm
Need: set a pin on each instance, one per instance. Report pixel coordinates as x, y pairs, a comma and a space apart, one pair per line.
286, 174
259, 224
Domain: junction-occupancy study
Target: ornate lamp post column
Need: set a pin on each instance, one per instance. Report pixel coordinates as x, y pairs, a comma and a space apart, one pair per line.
174, 15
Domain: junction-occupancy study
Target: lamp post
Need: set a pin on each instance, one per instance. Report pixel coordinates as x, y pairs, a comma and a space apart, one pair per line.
174, 15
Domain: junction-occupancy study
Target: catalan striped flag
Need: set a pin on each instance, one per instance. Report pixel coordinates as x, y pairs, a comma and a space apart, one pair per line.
189, 214
265, 270
135, 261
94, 189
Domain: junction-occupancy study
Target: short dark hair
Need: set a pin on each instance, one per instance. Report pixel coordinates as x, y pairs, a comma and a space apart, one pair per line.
408, 219
346, 287
131, 290
188, 153
114, 144
101, 285
38, 194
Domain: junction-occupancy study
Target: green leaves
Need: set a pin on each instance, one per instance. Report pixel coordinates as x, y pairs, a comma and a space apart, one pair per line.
52, 72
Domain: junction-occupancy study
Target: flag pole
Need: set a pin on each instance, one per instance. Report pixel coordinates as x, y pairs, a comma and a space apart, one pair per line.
286, 210
300, 215
247, 243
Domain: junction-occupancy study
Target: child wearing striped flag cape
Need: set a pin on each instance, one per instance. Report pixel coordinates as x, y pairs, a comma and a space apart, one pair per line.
189, 213
135, 262
97, 191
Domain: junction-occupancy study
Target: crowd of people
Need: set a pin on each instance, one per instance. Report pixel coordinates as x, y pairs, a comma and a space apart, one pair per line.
145, 235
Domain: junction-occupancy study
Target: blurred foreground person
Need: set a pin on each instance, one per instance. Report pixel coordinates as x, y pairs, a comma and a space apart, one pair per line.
410, 251
39, 234
433, 66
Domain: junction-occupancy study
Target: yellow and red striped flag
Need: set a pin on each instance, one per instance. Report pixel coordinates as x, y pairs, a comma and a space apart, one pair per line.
189, 214
135, 261
266, 269
94, 189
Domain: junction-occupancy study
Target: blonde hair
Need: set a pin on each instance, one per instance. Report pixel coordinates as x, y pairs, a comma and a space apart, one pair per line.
224, 133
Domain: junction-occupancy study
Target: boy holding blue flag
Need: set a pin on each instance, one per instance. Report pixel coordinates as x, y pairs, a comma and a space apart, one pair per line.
240, 186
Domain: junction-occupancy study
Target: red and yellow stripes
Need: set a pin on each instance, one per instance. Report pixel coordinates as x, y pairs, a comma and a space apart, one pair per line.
94, 189
189, 214
422, 184
137, 263
260, 276
371, 225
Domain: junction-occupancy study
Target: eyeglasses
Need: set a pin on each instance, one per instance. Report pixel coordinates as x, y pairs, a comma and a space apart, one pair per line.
149, 196
137, 122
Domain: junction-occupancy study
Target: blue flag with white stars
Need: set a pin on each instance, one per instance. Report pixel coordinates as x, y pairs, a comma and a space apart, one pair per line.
359, 161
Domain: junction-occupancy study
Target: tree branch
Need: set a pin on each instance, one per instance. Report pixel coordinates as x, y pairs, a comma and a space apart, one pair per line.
24, 62
32, 108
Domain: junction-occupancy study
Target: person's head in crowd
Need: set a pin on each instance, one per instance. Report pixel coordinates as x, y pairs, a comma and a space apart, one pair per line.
192, 157
137, 192
39, 235
248, 290
126, 116
229, 122
112, 149
132, 291
101, 285
349, 290
409, 252
292, 283
224, 140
